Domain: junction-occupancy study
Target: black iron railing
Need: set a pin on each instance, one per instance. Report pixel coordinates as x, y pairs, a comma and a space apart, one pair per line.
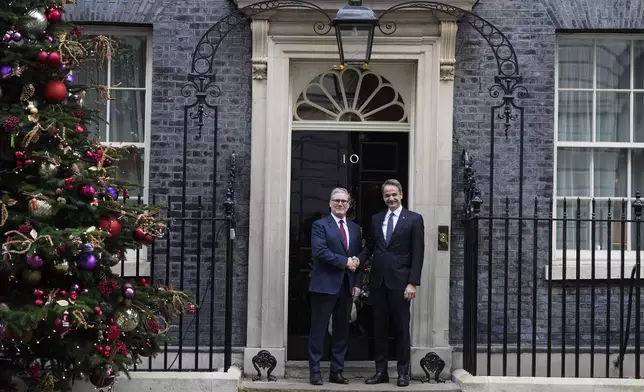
196, 255
564, 303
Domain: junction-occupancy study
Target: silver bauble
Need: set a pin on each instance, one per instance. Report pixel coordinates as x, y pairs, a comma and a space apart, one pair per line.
113, 260
48, 169
36, 22
40, 208
127, 319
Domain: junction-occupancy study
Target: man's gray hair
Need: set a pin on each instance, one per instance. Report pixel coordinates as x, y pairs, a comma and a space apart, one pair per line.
393, 182
340, 190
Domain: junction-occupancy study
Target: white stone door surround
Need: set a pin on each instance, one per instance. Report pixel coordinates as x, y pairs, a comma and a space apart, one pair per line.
282, 38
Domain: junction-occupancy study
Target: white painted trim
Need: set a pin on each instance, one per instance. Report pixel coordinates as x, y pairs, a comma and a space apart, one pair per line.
469, 383
368, 126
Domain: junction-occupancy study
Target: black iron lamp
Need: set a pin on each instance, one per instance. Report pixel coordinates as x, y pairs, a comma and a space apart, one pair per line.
354, 29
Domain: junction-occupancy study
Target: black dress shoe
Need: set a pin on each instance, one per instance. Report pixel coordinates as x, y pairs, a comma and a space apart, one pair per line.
403, 381
337, 378
316, 379
377, 378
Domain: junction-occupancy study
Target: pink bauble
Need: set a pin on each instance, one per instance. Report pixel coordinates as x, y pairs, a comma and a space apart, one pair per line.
87, 191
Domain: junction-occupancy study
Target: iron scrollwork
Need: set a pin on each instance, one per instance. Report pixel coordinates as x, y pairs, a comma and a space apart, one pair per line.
202, 87
203, 56
508, 81
264, 359
434, 364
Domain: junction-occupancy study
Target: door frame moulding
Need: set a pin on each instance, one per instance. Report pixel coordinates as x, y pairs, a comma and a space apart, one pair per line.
429, 190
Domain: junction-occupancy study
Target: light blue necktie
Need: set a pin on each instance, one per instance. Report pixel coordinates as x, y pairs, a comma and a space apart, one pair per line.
390, 228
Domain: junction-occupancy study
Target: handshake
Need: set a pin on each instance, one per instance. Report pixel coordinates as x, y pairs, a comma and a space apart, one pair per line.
353, 263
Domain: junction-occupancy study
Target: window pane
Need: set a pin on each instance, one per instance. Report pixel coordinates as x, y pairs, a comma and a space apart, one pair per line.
613, 64
575, 115
638, 60
130, 169
575, 60
638, 118
573, 172
637, 170
127, 116
604, 230
613, 119
99, 128
610, 173
571, 224
89, 73
128, 65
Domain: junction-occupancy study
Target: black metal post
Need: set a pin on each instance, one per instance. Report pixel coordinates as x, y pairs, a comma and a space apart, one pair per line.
229, 205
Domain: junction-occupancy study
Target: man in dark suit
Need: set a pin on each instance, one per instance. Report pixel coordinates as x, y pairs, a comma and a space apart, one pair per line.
397, 244
335, 241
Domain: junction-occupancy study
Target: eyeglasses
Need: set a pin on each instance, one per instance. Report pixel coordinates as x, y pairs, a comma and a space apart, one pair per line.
339, 201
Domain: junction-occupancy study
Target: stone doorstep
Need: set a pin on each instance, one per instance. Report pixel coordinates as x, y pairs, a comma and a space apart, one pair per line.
352, 370
302, 385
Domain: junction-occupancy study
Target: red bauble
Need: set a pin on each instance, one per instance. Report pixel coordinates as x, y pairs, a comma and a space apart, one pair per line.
148, 238
42, 56
54, 15
55, 91
138, 234
53, 59
111, 225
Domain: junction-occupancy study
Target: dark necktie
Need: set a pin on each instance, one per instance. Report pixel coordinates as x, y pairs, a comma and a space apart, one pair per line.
390, 228
344, 234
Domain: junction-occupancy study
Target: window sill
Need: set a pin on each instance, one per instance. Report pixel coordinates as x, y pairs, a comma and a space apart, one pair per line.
586, 270
129, 266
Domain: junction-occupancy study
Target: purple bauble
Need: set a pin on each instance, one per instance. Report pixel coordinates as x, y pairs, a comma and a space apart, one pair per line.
129, 292
16, 36
87, 260
87, 191
112, 192
1, 330
34, 262
6, 37
69, 78
5, 70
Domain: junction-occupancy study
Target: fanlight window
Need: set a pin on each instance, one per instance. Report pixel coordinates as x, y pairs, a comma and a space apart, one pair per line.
350, 95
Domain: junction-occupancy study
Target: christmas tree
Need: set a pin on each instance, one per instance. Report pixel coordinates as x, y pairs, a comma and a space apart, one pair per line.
64, 315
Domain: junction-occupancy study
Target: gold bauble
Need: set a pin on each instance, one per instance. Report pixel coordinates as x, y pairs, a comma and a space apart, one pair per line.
40, 208
127, 319
48, 169
31, 277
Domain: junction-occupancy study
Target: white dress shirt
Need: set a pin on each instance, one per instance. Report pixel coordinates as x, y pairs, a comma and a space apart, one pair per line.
346, 229
396, 213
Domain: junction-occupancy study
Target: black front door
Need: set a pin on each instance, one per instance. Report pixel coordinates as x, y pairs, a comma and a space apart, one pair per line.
321, 161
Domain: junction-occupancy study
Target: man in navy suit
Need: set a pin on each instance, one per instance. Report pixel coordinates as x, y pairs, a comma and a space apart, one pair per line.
334, 242
397, 244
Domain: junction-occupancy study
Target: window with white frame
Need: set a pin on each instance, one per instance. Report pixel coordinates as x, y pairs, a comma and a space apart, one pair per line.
128, 76
599, 136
